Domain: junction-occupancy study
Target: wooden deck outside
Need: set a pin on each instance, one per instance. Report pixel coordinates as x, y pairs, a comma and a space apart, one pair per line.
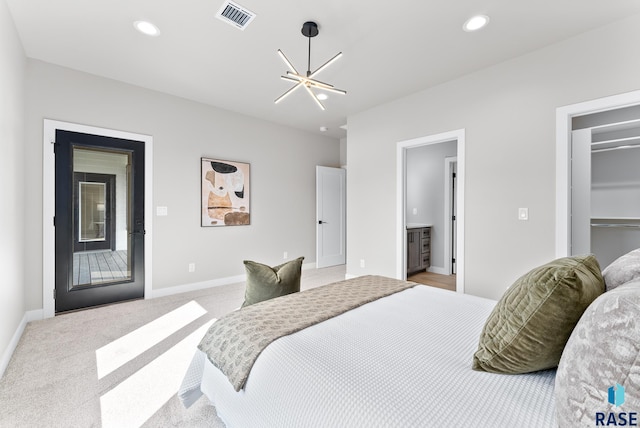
99, 267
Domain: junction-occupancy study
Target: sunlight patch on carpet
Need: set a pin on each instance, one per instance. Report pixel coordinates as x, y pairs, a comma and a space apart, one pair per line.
124, 349
137, 398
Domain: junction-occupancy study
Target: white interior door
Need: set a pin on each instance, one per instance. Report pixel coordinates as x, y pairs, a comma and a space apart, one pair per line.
330, 216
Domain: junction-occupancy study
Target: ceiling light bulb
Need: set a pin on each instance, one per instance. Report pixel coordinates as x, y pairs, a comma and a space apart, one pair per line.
147, 28
475, 23
322, 97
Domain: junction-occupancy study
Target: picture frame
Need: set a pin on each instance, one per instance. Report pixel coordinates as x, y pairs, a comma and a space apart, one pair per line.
225, 193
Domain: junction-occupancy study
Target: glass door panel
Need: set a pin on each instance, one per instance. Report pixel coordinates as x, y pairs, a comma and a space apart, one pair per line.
102, 217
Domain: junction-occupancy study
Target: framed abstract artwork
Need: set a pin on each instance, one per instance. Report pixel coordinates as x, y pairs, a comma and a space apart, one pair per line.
225, 192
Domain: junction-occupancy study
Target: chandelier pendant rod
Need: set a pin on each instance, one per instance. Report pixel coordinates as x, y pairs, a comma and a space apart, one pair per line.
309, 59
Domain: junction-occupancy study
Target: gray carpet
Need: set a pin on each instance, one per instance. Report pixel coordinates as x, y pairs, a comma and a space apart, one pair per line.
52, 379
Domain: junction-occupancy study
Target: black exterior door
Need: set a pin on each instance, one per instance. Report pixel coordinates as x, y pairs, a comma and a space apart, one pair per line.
99, 220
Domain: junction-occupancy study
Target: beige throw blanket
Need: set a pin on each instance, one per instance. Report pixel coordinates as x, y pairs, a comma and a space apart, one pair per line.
235, 341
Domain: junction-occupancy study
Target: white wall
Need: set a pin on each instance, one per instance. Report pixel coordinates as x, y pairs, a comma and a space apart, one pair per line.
425, 192
12, 175
282, 162
343, 151
508, 112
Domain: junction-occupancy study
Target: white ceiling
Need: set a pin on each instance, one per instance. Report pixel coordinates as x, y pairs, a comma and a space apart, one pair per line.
391, 49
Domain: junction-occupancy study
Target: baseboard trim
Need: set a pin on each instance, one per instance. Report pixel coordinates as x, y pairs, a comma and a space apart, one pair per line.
196, 286
438, 270
35, 315
13, 344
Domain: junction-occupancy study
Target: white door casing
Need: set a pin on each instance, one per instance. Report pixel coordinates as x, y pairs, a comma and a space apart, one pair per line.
450, 197
330, 216
580, 192
401, 227
564, 115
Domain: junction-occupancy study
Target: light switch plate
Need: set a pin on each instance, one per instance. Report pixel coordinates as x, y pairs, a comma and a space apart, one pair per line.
162, 211
523, 213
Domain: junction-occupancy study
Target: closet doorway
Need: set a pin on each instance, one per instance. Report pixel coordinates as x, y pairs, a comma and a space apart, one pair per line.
598, 194
605, 191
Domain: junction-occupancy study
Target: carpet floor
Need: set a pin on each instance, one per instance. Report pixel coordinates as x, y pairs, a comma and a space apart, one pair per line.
82, 369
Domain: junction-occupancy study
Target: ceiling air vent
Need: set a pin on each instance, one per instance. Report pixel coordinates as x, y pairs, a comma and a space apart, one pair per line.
236, 15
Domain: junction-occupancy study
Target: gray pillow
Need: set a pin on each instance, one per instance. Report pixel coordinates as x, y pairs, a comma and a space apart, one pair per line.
266, 282
603, 350
529, 326
624, 269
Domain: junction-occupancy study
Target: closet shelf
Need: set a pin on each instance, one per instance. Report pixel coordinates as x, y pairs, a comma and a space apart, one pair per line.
617, 142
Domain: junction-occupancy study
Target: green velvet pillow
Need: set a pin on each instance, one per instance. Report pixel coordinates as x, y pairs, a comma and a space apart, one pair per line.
266, 282
532, 322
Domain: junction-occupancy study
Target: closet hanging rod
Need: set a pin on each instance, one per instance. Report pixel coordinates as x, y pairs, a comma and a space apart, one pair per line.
616, 140
609, 149
625, 225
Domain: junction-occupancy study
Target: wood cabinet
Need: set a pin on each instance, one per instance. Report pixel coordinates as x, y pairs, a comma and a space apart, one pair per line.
418, 249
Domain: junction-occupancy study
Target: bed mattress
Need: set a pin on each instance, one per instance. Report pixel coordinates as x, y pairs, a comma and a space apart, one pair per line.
401, 361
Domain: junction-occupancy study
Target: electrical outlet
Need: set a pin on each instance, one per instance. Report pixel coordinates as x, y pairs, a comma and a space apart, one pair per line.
362, 263
192, 267
285, 256
415, 211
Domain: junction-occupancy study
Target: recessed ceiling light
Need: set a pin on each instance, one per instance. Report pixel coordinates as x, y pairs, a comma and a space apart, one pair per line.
475, 23
145, 27
322, 97
323, 129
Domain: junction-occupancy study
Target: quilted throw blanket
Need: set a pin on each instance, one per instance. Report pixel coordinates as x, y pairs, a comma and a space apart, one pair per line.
234, 342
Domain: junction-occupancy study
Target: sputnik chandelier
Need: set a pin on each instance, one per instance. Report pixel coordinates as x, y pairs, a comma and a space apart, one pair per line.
309, 30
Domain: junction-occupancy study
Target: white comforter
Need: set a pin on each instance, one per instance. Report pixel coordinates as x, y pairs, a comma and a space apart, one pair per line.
401, 361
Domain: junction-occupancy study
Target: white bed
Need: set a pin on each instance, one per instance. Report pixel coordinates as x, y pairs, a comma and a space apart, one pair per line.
400, 361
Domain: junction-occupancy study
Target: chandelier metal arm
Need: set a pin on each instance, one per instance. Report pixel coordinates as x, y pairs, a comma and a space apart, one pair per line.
307, 79
312, 82
289, 92
291, 79
326, 64
334, 90
314, 97
287, 62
